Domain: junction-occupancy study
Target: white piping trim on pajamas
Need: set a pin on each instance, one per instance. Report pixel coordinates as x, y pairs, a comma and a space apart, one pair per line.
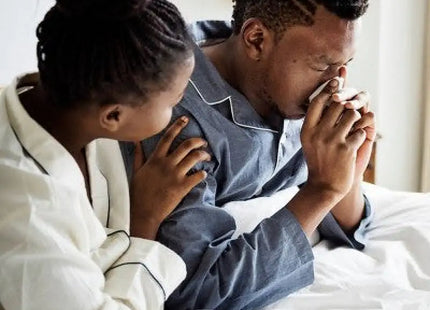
231, 108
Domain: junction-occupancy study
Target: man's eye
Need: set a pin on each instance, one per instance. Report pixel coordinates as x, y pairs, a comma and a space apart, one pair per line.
321, 69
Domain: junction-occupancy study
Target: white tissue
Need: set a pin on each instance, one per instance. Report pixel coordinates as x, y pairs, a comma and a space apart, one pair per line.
321, 87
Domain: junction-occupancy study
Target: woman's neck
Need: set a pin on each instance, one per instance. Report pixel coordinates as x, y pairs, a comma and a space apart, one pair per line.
70, 127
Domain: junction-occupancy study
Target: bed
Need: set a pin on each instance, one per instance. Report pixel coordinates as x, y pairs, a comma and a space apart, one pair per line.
392, 273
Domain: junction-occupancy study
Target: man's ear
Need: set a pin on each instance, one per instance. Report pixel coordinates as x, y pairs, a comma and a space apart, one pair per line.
257, 38
111, 117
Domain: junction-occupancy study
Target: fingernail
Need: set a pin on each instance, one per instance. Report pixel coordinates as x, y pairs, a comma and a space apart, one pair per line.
349, 105
184, 119
336, 97
334, 83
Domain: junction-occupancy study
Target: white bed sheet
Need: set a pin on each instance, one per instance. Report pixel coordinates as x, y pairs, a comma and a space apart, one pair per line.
392, 273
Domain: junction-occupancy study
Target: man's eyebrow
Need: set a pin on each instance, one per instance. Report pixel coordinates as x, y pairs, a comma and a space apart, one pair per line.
351, 59
327, 60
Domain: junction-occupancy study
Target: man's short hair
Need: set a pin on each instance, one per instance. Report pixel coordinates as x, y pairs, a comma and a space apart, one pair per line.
278, 15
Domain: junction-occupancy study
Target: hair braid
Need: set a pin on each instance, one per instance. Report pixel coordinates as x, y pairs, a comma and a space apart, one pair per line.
107, 51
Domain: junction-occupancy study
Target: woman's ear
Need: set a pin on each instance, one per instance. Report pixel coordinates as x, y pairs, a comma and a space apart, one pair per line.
112, 117
257, 39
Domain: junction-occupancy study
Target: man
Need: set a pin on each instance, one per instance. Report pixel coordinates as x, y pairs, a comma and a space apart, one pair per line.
247, 97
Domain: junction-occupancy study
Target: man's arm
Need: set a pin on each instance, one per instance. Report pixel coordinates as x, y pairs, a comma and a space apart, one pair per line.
224, 273
333, 229
275, 259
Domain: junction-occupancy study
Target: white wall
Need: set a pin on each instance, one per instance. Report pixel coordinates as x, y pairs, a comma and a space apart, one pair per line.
389, 63
18, 22
205, 9
401, 92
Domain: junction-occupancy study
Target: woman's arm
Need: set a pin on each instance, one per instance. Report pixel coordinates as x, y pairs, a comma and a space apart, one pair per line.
161, 182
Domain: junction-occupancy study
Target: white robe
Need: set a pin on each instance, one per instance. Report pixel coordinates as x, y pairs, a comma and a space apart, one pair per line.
57, 251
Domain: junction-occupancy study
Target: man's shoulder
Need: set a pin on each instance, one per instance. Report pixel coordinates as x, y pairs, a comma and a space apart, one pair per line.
192, 130
189, 107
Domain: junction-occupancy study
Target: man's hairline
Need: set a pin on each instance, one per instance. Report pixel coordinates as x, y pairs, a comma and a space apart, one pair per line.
278, 35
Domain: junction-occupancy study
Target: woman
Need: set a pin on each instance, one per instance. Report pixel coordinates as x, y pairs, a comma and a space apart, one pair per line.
70, 236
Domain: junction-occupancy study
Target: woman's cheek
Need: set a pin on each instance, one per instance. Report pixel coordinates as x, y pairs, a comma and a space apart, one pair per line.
161, 120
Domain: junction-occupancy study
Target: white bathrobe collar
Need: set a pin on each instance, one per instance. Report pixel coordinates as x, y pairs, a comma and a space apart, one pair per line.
40, 145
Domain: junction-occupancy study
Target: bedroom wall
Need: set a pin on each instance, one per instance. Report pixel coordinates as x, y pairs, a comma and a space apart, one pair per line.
389, 63
18, 21
400, 101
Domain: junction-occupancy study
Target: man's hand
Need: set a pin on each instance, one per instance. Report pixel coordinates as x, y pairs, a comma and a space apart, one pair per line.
160, 183
349, 211
330, 149
329, 144
359, 101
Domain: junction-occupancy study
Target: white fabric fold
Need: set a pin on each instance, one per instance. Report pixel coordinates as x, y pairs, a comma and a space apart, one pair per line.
55, 251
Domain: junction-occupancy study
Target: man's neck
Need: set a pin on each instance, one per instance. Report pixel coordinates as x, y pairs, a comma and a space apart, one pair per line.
232, 66
224, 61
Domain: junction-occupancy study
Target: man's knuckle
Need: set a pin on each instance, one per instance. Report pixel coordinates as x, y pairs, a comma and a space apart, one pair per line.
338, 106
371, 115
351, 114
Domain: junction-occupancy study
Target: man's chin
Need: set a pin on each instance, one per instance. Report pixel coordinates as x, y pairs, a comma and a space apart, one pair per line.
300, 113
301, 116
293, 116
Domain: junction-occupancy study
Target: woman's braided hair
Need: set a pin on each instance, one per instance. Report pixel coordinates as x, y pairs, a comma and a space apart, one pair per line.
110, 50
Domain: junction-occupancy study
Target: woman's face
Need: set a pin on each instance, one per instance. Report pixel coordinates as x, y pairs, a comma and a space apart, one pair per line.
154, 114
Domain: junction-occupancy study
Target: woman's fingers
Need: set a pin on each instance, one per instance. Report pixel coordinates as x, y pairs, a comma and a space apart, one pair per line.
195, 179
139, 157
185, 148
169, 136
191, 160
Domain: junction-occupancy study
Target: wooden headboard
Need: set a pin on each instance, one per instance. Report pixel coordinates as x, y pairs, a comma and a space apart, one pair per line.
369, 174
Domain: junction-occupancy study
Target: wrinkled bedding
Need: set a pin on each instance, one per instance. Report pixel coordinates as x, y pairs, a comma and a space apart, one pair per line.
393, 272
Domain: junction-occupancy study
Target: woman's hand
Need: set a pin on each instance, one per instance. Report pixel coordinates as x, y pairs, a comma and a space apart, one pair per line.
160, 183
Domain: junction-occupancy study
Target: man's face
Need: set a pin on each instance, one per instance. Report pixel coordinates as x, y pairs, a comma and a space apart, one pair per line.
304, 58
